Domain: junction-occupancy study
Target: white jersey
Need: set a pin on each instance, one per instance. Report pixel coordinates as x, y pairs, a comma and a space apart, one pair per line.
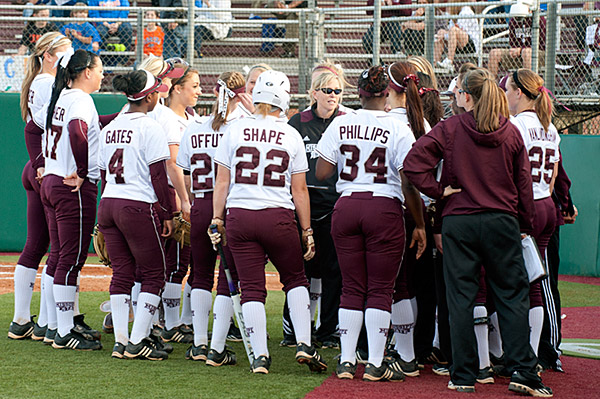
369, 148
262, 154
38, 98
56, 146
400, 113
128, 146
173, 124
542, 148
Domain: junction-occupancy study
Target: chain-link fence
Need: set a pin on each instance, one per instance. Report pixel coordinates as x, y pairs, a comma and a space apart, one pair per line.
558, 39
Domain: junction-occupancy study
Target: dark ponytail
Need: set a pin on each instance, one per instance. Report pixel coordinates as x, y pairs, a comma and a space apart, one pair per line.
130, 83
80, 61
433, 110
406, 76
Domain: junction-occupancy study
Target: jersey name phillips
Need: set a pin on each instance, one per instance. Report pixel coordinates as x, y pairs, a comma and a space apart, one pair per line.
262, 135
360, 132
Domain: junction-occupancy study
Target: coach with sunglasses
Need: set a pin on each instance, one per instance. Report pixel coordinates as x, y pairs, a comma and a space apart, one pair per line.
323, 270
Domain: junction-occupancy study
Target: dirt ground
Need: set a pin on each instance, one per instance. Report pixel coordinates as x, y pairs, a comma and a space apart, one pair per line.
97, 278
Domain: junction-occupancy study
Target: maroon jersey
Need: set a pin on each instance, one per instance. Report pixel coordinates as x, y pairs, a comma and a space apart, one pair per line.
519, 32
492, 169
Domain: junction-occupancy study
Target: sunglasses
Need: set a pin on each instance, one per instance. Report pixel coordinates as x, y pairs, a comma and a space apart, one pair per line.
171, 62
464, 91
328, 90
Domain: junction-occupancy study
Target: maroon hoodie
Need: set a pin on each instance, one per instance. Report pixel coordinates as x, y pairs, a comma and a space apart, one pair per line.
492, 169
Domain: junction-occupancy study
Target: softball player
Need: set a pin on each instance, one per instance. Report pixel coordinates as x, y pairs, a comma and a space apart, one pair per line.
69, 188
131, 158
405, 105
246, 106
488, 183
261, 180
531, 107
183, 95
35, 93
195, 157
368, 146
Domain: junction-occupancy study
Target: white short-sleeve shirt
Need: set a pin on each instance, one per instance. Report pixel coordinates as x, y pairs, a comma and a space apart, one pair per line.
128, 146
543, 150
368, 148
262, 154
56, 146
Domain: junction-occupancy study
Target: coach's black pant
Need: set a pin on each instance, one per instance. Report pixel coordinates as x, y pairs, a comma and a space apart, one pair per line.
548, 351
491, 239
326, 267
426, 299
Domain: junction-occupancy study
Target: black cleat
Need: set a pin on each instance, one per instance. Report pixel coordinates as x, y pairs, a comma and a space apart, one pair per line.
75, 340
461, 388
234, 334
261, 365
521, 385
440, 369
159, 343
216, 359
345, 370
107, 324
288, 341
197, 353
485, 376
144, 350
39, 332
50, 335
395, 361
20, 331
308, 355
82, 328
178, 334
118, 351
382, 373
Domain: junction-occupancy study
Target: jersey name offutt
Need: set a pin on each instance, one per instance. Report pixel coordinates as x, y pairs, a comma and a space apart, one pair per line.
354, 132
205, 140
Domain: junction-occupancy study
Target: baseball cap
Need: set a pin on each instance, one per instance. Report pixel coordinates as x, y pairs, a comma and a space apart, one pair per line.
451, 87
152, 84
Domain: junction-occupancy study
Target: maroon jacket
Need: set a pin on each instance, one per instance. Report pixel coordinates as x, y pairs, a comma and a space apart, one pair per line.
492, 169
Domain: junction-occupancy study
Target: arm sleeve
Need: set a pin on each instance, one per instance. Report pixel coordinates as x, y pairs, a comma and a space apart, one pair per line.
102, 180
422, 159
33, 142
78, 137
158, 176
106, 119
525, 207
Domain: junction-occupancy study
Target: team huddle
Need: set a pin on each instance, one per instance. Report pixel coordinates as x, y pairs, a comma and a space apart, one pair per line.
348, 205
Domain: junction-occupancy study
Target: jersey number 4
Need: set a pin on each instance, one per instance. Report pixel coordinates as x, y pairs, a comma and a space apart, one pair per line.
541, 167
374, 164
252, 177
115, 166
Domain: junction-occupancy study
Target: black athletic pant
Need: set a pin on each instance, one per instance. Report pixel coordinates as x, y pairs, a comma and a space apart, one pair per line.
442, 307
491, 239
326, 267
548, 351
426, 300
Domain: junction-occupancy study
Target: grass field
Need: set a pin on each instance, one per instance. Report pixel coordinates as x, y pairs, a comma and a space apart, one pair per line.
33, 370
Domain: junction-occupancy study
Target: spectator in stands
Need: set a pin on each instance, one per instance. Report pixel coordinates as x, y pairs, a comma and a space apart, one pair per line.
107, 29
35, 29
462, 34
64, 13
82, 34
413, 32
216, 29
175, 33
289, 49
390, 31
29, 12
519, 39
154, 36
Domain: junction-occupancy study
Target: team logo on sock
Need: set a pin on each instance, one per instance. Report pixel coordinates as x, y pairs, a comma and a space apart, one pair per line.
343, 331
133, 303
314, 296
171, 302
31, 285
384, 331
127, 301
193, 313
65, 306
403, 328
151, 308
249, 330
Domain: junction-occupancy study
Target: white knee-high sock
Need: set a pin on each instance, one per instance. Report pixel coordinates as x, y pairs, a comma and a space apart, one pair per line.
222, 313
255, 319
24, 280
403, 325
315, 296
350, 325
299, 303
186, 308
200, 302
378, 324
50, 302
495, 340
64, 295
481, 334
76, 302
119, 307
147, 308
536, 321
43, 315
171, 299
135, 293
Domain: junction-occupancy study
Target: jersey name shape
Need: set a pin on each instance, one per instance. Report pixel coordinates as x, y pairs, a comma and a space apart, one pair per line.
262, 136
